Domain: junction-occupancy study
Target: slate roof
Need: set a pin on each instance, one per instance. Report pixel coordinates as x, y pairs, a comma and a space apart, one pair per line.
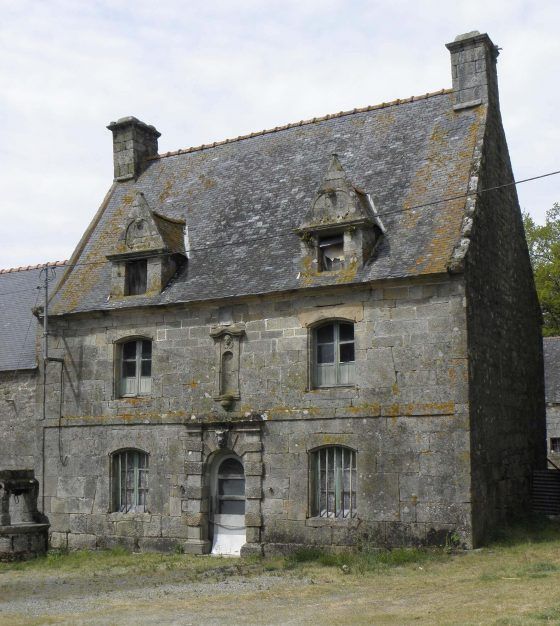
243, 199
18, 325
551, 349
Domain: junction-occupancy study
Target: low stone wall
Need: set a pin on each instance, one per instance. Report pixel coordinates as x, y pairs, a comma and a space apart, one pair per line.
23, 541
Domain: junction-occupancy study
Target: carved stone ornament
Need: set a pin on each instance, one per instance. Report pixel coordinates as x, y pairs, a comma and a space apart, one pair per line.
222, 438
227, 338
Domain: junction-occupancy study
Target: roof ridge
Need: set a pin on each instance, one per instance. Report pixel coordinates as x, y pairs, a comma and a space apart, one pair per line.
313, 120
26, 268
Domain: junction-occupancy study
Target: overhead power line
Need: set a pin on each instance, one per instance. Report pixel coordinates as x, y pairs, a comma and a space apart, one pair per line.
289, 232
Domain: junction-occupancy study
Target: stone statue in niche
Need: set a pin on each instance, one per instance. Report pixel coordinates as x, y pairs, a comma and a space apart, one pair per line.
227, 338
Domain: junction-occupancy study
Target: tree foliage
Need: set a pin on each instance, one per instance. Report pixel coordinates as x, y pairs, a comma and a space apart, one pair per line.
544, 250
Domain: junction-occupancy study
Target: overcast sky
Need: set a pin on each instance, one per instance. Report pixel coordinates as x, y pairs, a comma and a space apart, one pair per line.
205, 71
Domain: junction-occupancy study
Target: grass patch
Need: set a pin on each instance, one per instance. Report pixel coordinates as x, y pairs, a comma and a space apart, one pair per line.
367, 560
548, 615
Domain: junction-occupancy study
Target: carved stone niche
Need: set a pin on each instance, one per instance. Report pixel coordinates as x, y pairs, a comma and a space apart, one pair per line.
228, 339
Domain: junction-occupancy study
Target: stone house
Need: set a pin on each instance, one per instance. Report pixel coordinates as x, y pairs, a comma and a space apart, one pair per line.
321, 334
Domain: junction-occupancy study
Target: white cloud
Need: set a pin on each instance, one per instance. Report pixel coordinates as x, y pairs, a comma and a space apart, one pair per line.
203, 71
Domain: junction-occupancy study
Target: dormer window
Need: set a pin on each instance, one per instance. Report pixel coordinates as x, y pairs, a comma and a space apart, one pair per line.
136, 277
149, 243
340, 231
331, 253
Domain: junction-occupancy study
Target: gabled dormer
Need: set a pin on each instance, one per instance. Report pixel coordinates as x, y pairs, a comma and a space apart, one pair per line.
341, 230
148, 252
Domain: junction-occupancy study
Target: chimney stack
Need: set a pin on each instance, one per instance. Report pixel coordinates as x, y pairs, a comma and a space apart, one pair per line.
133, 143
473, 67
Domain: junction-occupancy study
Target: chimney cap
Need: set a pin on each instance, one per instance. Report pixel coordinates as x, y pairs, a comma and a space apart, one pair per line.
130, 120
472, 38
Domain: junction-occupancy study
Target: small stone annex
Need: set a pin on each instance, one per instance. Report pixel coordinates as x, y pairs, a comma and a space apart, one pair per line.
323, 334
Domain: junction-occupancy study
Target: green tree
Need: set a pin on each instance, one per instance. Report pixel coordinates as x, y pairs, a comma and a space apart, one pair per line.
544, 250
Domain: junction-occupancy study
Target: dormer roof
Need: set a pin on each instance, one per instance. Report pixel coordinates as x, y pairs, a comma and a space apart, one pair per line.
338, 202
149, 233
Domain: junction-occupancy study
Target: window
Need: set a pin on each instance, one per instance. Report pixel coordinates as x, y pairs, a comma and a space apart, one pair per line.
333, 482
555, 444
130, 481
136, 368
231, 488
136, 277
331, 253
334, 354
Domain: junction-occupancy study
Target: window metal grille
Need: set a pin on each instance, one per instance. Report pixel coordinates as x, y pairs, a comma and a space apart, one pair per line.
130, 481
334, 358
136, 368
555, 445
333, 483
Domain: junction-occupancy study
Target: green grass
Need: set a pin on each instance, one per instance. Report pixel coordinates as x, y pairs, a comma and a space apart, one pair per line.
368, 560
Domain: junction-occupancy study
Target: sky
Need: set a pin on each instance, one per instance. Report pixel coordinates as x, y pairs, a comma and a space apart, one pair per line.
205, 71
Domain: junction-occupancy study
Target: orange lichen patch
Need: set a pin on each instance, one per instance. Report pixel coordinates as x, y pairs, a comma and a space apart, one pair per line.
128, 198
450, 215
207, 183
311, 276
372, 409
193, 384
88, 270
418, 409
166, 192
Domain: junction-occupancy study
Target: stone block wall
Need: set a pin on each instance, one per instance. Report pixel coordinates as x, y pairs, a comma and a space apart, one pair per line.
506, 378
18, 443
406, 417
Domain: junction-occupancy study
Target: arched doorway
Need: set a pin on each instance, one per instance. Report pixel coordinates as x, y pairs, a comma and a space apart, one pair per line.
228, 506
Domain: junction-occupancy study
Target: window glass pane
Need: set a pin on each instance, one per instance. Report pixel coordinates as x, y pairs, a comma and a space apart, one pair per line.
232, 507
146, 349
129, 369
231, 487
146, 368
325, 334
325, 353
346, 332
231, 467
346, 352
129, 350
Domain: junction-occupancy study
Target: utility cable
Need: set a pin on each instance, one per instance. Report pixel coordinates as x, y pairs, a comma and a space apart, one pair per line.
290, 232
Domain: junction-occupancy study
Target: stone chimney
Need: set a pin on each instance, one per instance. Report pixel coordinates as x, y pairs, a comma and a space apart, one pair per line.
133, 143
473, 66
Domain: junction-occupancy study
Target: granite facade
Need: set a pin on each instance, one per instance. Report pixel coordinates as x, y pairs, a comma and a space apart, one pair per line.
406, 417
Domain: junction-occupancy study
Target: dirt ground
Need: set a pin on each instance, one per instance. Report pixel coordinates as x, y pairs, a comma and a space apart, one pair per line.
514, 585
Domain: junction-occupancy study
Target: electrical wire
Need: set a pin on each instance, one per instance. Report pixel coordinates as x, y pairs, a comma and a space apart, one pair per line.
290, 232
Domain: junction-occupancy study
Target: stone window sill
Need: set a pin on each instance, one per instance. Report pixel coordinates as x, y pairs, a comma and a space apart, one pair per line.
320, 522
